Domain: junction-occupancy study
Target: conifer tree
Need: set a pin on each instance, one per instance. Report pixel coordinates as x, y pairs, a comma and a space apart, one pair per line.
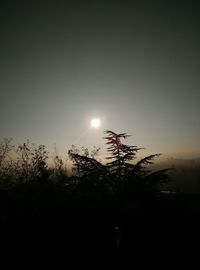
122, 167
84, 164
120, 170
121, 154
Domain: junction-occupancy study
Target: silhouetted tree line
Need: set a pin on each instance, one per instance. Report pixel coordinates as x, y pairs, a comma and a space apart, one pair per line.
115, 205
30, 163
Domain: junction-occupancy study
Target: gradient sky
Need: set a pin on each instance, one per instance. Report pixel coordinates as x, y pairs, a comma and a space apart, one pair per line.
133, 64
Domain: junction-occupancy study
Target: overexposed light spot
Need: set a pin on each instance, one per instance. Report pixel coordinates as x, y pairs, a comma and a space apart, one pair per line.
95, 123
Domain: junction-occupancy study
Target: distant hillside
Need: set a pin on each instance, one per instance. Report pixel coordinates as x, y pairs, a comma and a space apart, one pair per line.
185, 174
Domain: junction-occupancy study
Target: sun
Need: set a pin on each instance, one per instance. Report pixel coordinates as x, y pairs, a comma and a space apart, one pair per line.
95, 123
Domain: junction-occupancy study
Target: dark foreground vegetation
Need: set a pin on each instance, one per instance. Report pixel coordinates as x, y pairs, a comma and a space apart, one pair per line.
116, 208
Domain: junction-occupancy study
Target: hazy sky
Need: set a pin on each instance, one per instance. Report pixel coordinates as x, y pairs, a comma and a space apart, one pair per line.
133, 64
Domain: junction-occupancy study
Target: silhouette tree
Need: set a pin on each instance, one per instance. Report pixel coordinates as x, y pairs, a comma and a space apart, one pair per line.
7, 166
121, 154
58, 173
5, 147
86, 165
120, 172
123, 168
33, 160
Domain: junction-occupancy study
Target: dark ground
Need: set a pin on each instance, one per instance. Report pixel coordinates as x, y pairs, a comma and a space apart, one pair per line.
154, 230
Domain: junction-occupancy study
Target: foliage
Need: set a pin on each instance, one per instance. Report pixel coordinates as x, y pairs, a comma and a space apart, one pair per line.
33, 160
58, 172
121, 154
91, 172
120, 173
84, 163
5, 148
8, 167
98, 203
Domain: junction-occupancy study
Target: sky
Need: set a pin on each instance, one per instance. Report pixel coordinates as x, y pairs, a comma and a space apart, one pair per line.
133, 64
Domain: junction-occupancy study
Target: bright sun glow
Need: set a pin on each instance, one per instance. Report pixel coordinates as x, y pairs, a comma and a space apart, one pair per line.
95, 123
